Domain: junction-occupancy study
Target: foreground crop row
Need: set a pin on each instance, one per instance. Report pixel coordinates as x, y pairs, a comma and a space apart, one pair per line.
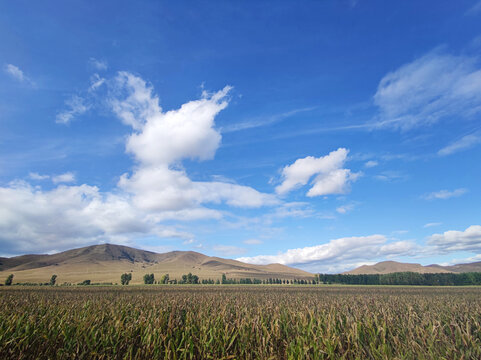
241, 322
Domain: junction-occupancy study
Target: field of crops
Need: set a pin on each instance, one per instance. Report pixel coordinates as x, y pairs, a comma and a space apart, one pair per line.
240, 322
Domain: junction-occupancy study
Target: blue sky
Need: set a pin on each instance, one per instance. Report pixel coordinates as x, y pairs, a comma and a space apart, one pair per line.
324, 135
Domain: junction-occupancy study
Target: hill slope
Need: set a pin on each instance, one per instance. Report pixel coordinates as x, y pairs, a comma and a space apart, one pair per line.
105, 263
387, 267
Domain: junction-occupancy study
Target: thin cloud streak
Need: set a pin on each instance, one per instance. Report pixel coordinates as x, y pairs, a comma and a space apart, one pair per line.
466, 142
445, 194
265, 121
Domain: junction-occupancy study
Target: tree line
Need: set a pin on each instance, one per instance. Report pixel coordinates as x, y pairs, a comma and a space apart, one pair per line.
9, 281
399, 278
194, 279
402, 278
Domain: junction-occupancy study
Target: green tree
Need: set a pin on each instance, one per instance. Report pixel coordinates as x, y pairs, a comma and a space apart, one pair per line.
9, 280
164, 279
189, 279
224, 279
53, 279
125, 278
149, 279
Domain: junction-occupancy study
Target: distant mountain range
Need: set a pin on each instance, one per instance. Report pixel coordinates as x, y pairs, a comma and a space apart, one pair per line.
387, 267
105, 263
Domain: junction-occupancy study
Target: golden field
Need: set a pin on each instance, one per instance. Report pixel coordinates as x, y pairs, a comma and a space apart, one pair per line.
240, 322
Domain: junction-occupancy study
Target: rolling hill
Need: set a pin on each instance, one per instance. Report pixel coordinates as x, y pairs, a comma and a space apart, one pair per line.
387, 267
105, 263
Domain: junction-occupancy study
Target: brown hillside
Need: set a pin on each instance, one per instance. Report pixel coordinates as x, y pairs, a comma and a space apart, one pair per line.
105, 263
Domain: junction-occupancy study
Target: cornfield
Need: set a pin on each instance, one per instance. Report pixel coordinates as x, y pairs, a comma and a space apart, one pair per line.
240, 322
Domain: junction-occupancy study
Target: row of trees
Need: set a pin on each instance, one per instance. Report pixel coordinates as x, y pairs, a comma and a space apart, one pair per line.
269, 281
9, 280
194, 279
400, 278
165, 279
403, 278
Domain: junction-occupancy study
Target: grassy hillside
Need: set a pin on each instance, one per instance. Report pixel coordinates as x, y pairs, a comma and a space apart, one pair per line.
105, 263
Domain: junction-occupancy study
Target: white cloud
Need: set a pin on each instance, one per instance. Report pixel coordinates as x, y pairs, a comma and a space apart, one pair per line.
344, 209
67, 177
435, 86
347, 253
252, 242
189, 214
432, 224
16, 73
98, 64
157, 189
462, 144
133, 100
162, 189
33, 220
371, 163
95, 82
390, 176
452, 241
162, 139
445, 194
329, 256
467, 260
331, 177
37, 176
292, 209
228, 250
76, 106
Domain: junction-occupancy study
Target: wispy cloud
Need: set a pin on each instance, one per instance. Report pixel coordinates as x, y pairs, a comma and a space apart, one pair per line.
37, 176
252, 242
292, 209
432, 224
391, 176
475, 9
371, 163
263, 121
464, 143
95, 82
344, 209
445, 194
436, 86
75, 106
16, 73
229, 250
67, 177
98, 64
